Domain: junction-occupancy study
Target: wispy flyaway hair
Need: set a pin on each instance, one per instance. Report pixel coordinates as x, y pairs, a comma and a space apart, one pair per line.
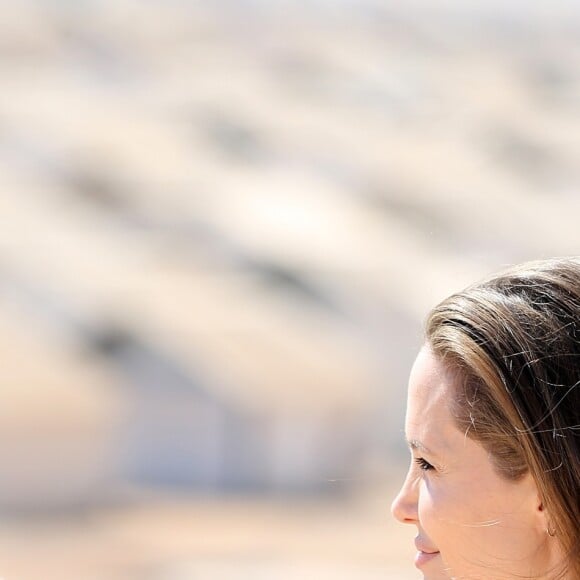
513, 341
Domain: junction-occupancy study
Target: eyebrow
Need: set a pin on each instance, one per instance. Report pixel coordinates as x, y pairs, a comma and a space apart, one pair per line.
417, 445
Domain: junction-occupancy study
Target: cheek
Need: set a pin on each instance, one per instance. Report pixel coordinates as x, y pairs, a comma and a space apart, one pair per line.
470, 530
445, 514
437, 511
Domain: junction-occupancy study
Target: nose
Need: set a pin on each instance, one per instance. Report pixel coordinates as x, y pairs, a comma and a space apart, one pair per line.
404, 506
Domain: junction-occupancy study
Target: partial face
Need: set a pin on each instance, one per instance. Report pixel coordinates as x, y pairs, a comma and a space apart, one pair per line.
471, 523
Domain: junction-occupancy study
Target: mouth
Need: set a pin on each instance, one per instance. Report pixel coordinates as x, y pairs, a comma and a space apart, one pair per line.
423, 558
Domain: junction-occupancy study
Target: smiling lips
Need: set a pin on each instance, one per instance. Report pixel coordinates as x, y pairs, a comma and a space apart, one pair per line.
424, 554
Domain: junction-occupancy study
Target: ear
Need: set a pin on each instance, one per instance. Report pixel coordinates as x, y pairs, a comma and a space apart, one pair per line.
536, 508
545, 521
546, 528
541, 511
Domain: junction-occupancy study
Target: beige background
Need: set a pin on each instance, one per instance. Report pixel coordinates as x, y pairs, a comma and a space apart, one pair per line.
222, 224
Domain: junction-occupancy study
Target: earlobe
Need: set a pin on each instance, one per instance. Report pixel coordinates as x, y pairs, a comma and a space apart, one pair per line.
541, 515
546, 523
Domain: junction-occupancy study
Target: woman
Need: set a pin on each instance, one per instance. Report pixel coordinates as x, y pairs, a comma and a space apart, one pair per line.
493, 424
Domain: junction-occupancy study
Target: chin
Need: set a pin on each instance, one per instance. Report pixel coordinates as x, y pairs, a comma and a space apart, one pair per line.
437, 573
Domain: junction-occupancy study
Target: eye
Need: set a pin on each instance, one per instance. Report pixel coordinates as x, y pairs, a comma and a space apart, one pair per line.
423, 464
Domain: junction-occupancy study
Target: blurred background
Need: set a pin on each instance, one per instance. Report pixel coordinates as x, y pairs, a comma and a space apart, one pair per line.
222, 224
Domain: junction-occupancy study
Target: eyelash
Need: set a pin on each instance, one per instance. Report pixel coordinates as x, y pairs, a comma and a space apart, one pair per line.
423, 464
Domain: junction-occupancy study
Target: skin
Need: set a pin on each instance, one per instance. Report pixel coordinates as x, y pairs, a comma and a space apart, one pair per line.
482, 525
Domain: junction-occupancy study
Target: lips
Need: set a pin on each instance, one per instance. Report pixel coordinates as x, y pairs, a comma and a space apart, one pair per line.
423, 558
424, 554
425, 549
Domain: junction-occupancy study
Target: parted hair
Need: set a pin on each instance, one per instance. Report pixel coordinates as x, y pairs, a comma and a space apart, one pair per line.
513, 340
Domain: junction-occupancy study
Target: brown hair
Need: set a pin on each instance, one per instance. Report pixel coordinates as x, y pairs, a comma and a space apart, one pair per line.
514, 341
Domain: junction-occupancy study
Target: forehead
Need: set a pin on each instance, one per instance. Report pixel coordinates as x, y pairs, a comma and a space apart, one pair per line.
429, 419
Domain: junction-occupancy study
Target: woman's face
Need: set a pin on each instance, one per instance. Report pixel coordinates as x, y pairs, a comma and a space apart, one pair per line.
471, 523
